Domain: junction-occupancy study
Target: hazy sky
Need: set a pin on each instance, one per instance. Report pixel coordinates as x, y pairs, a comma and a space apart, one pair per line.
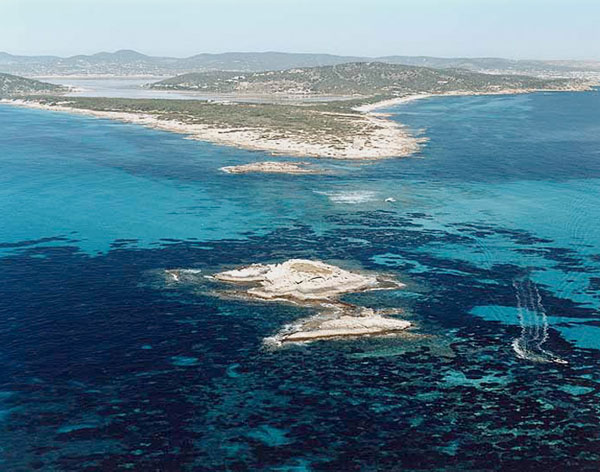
545, 29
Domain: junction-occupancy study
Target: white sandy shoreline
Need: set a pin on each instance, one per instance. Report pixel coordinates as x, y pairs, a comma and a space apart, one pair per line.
371, 107
385, 139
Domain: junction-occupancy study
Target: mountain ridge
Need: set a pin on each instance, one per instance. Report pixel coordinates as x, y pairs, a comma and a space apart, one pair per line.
126, 62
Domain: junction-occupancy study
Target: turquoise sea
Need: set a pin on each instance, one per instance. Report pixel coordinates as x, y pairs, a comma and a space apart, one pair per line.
495, 229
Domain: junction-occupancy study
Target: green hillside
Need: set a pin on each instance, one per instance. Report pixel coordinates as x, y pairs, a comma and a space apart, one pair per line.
365, 79
12, 85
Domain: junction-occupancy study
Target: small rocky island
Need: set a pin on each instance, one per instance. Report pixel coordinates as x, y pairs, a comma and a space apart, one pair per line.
273, 167
315, 283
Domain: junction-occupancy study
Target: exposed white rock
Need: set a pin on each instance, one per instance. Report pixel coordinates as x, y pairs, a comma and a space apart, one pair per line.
313, 283
253, 273
273, 167
304, 280
339, 324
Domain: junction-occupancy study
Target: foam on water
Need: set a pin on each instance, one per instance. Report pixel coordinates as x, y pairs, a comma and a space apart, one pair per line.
534, 324
350, 197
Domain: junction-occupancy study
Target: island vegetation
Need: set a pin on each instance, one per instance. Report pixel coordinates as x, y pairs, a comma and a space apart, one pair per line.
358, 79
12, 86
341, 128
318, 130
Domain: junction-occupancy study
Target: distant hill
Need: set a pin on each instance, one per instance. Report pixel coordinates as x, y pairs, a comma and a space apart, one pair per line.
121, 63
264, 61
130, 63
359, 78
495, 64
12, 85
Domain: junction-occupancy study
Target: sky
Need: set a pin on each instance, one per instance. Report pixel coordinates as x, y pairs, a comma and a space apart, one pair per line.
520, 29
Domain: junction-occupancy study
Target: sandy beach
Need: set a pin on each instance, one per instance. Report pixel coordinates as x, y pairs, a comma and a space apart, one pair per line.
372, 107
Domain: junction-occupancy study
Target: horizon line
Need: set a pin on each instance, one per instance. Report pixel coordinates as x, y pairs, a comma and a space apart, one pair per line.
294, 53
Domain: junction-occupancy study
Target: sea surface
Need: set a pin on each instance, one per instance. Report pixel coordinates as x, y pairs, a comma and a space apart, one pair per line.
107, 364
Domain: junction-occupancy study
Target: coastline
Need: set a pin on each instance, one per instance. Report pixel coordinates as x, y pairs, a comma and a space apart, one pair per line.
384, 138
381, 137
389, 102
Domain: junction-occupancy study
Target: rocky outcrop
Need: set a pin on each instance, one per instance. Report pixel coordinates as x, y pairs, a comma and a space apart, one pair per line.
303, 280
339, 322
315, 283
273, 167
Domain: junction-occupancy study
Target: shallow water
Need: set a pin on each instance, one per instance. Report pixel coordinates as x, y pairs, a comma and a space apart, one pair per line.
135, 88
495, 229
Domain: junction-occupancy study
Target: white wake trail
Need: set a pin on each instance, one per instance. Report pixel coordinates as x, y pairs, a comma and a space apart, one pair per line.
534, 324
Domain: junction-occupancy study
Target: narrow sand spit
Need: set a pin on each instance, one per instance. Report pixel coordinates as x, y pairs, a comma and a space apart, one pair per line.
315, 283
370, 108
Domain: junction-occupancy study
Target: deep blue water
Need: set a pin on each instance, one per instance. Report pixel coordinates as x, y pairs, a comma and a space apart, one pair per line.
495, 229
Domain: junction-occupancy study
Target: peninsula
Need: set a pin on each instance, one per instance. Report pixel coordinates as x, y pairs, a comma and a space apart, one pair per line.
333, 131
340, 129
